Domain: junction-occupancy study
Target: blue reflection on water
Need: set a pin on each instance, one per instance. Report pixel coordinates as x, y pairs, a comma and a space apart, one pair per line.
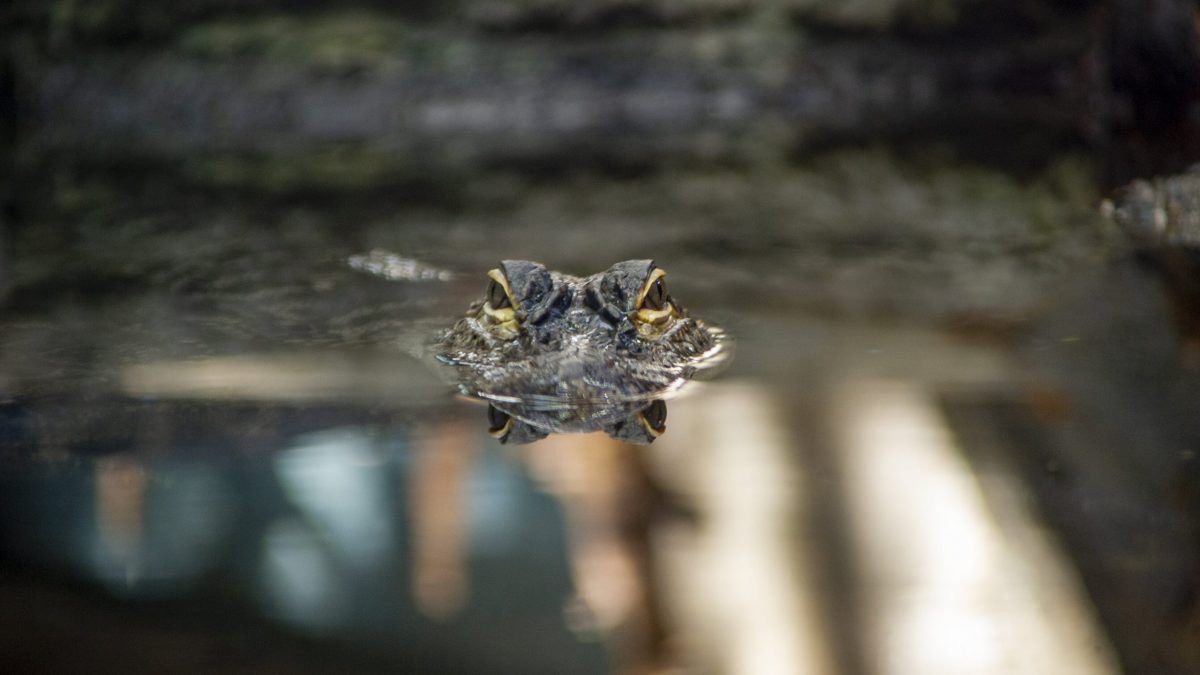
316, 536
298, 581
185, 518
339, 479
495, 488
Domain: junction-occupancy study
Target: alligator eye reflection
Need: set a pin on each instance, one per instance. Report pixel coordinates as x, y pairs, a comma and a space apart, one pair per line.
499, 422
655, 416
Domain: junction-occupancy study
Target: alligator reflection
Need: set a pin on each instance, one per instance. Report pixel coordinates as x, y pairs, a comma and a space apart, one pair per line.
638, 422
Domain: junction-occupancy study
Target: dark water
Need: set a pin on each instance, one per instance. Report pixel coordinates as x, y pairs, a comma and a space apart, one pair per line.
956, 400
959, 434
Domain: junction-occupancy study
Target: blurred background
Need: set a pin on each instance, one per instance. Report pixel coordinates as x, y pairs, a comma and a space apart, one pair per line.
959, 434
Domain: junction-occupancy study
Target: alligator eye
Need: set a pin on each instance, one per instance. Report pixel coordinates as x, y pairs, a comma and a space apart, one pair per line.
499, 306
653, 296
496, 296
499, 293
499, 422
656, 295
655, 417
654, 308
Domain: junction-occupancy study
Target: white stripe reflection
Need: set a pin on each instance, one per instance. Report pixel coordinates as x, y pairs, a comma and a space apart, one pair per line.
944, 588
738, 585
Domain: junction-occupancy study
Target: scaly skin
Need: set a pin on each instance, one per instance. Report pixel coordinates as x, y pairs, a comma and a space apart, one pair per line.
1159, 212
577, 353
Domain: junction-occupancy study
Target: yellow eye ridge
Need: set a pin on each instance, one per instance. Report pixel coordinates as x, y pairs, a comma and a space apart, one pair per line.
505, 318
502, 431
652, 317
654, 433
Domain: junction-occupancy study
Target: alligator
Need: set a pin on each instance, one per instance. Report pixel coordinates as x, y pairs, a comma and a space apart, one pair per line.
551, 352
1159, 212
